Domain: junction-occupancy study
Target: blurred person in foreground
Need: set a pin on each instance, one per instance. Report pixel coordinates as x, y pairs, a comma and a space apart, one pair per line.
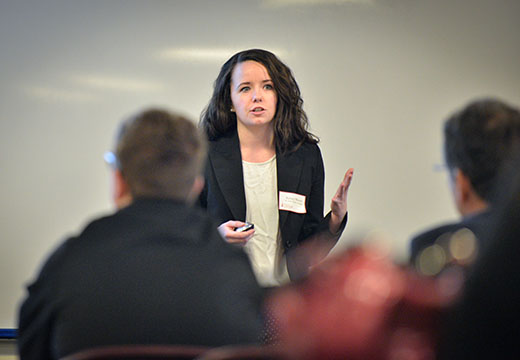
478, 139
154, 272
359, 305
485, 321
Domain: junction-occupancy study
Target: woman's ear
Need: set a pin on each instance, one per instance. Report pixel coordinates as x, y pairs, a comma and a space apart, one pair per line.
121, 195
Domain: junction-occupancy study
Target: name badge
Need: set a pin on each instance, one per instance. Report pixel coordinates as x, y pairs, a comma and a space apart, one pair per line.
291, 202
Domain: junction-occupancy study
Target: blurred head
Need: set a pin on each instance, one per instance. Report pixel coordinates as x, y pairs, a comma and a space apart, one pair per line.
478, 142
289, 119
158, 154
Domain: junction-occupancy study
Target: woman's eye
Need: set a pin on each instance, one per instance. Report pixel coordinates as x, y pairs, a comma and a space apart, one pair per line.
245, 88
268, 87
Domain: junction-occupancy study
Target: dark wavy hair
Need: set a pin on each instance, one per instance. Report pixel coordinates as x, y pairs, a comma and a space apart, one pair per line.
480, 140
290, 122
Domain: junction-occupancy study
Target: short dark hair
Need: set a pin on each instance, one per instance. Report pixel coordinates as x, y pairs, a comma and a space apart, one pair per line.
479, 140
159, 154
290, 121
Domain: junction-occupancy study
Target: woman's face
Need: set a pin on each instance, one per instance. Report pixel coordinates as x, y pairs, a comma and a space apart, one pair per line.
253, 96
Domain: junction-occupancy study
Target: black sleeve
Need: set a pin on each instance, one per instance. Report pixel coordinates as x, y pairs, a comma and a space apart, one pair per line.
36, 314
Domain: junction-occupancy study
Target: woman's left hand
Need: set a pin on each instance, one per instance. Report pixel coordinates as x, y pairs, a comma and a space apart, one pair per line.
338, 205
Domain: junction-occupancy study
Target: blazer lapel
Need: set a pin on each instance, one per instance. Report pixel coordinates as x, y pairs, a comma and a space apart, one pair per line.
289, 168
227, 166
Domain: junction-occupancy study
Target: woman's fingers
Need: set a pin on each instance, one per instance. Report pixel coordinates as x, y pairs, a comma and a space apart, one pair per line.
341, 193
227, 231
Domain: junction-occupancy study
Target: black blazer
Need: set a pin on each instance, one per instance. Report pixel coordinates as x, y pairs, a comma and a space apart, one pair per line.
298, 172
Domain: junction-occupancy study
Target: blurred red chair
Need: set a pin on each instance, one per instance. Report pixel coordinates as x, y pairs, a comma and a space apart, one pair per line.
360, 305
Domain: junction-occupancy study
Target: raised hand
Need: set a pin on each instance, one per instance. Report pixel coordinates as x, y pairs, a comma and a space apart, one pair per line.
338, 204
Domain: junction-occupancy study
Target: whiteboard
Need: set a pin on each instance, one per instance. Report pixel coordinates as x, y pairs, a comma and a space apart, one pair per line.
378, 77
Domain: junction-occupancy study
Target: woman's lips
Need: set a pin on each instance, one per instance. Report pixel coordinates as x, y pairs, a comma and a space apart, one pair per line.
258, 110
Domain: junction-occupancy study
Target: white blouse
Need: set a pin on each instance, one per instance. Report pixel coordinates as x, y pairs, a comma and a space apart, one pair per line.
264, 248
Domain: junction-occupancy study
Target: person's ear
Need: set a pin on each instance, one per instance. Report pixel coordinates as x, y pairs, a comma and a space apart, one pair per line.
463, 191
196, 188
121, 191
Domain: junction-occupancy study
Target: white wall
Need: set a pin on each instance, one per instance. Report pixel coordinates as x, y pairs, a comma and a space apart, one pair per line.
378, 78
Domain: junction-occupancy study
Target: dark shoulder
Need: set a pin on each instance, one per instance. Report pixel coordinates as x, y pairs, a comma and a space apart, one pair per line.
477, 222
54, 262
474, 222
308, 147
224, 142
65, 251
427, 238
310, 152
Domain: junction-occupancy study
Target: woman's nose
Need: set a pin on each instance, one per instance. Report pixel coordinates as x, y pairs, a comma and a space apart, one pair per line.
257, 95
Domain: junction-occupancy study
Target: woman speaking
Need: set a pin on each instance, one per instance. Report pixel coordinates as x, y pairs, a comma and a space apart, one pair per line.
265, 168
